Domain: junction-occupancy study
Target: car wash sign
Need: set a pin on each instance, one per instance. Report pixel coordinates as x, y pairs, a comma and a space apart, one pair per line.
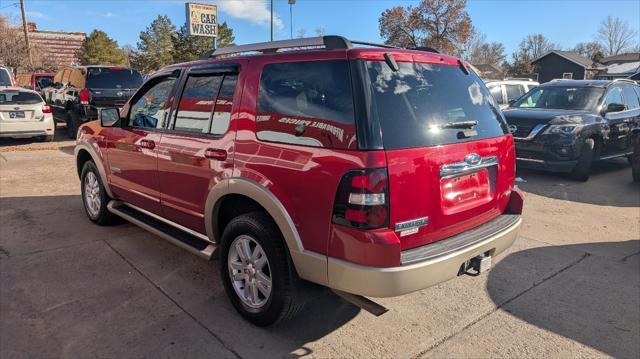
202, 19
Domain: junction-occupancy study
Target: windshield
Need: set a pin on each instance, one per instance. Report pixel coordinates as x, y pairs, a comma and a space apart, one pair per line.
5, 80
113, 78
19, 98
561, 98
426, 105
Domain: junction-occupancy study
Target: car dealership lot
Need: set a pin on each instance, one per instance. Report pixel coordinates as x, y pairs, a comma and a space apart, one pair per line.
570, 286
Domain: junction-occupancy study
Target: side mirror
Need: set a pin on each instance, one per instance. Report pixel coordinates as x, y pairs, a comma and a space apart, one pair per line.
615, 107
109, 116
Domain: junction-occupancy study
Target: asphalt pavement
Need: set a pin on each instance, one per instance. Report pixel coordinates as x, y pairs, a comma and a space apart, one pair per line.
569, 287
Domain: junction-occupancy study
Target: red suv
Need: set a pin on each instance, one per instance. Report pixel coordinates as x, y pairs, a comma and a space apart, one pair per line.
374, 171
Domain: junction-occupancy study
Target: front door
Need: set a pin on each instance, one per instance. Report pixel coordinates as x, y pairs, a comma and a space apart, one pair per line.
618, 127
133, 148
197, 152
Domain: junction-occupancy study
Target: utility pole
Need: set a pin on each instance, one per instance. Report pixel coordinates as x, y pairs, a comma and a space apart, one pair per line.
271, 20
291, 2
26, 33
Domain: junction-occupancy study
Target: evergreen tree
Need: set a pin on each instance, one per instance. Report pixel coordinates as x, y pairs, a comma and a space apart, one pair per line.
156, 45
189, 48
100, 49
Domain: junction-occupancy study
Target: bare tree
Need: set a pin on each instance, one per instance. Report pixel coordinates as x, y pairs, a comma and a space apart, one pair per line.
591, 50
536, 45
320, 31
13, 52
616, 36
442, 24
301, 33
474, 41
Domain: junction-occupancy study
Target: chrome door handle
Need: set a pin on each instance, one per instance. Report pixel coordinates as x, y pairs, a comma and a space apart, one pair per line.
215, 154
148, 144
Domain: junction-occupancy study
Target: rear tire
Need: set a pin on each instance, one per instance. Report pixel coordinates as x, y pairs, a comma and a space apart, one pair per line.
73, 123
94, 196
582, 170
262, 237
48, 138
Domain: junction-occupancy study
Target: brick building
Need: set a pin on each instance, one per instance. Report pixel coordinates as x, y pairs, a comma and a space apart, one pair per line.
59, 48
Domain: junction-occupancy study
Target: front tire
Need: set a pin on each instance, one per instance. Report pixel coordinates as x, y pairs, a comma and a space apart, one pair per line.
582, 170
258, 275
94, 196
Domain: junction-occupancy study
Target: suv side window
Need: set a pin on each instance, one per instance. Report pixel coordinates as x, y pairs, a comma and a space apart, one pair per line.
152, 104
514, 92
630, 97
614, 96
307, 103
197, 102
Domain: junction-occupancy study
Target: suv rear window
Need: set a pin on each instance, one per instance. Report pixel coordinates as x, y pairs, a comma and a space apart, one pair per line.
19, 98
415, 102
307, 103
113, 78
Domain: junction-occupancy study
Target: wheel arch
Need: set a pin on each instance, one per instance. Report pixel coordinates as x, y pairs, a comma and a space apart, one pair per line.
251, 195
84, 152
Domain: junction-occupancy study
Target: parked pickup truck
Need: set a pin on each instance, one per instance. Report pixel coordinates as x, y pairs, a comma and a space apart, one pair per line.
78, 92
373, 171
35, 81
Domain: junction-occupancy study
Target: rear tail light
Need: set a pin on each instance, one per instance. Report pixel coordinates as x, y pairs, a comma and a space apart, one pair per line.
362, 200
84, 96
46, 109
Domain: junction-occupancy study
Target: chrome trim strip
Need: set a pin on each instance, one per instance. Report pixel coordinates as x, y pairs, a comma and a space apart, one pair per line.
206, 253
461, 168
173, 224
529, 160
534, 132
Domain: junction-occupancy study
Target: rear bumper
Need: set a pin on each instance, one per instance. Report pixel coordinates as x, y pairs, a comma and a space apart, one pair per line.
27, 128
438, 265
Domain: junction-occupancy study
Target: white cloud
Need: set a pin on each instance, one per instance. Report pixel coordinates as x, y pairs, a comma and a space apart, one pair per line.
109, 14
35, 14
255, 11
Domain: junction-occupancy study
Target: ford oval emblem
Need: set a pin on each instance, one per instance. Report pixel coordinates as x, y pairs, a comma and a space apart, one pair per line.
120, 93
513, 128
472, 159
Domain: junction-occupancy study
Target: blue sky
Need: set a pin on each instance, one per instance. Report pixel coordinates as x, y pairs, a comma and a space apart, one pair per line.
563, 21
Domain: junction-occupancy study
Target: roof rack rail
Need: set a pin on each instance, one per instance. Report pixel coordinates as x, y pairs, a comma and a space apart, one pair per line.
330, 42
425, 48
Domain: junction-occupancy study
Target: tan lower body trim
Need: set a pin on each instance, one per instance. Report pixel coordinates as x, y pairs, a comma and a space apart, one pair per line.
394, 281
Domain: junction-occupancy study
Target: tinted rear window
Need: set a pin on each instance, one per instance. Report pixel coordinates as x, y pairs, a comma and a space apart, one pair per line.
307, 103
113, 78
5, 80
415, 102
19, 98
561, 98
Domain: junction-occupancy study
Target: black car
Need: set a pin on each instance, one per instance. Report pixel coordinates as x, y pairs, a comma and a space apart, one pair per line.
77, 92
566, 125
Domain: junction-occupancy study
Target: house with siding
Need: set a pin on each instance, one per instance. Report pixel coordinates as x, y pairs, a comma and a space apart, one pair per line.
558, 64
621, 66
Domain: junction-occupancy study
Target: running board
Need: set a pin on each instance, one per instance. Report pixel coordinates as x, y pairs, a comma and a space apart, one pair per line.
617, 155
180, 236
362, 302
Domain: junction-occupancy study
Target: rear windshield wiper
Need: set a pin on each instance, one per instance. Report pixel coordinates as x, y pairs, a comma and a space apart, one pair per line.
459, 125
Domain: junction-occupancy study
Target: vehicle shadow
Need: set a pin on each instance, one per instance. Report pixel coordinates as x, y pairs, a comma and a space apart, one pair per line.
594, 301
54, 231
597, 190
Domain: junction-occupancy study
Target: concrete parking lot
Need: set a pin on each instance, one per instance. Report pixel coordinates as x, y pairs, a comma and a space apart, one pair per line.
569, 287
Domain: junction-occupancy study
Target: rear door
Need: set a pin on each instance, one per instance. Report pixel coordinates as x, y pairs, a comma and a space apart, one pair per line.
450, 159
133, 149
197, 152
618, 125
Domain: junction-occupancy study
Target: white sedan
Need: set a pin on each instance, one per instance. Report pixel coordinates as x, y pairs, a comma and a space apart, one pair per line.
23, 114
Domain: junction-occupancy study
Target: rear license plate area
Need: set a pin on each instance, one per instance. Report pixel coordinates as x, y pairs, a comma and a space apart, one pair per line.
16, 114
467, 191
